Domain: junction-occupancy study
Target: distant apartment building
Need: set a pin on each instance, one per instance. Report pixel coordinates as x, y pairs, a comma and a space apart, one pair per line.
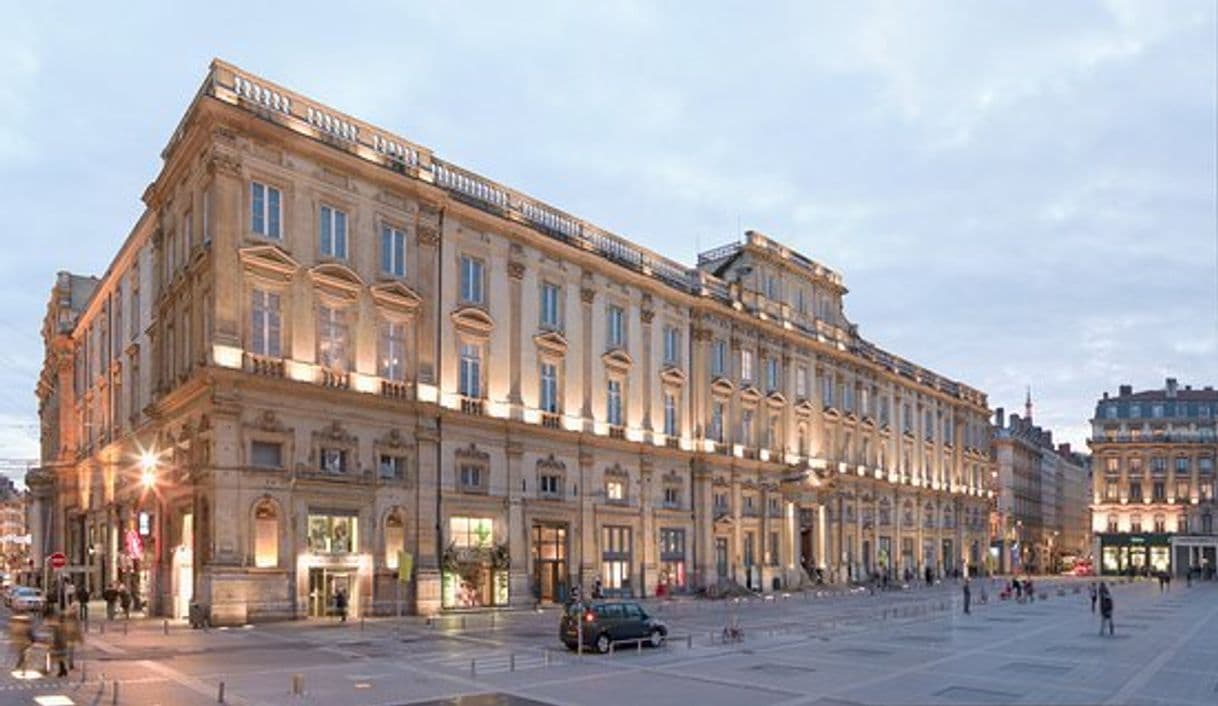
1153, 479
1041, 516
327, 360
14, 535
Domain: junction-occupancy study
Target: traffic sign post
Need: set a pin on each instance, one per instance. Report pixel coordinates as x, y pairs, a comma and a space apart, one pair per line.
58, 560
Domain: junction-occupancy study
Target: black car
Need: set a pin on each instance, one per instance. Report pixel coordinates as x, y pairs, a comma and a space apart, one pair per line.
606, 622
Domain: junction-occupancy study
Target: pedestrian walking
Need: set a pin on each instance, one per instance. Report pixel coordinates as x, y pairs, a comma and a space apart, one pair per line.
340, 602
1106, 609
21, 636
968, 596
59, 645
82, 600
110, 596
72, 633
930, 576
1018, 586
124, 600
1094, 596
1028, 590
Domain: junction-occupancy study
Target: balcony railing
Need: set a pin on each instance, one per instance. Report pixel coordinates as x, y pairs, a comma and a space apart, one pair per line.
263, 365
473, 405
617, 432
335, 378
551, 420
395, 389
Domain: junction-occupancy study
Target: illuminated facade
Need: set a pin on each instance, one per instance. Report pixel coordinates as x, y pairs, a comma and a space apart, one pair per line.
1153, 480
359, 362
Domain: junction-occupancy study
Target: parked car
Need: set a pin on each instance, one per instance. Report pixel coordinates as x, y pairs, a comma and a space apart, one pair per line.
606, 622
25, 598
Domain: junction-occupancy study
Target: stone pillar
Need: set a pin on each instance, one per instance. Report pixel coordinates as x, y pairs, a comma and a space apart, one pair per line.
519, 592
515, 275
699, 383
704, 524
586, 542
648, 540
429, 528
646, 315
428, 229
587, 295
228, 225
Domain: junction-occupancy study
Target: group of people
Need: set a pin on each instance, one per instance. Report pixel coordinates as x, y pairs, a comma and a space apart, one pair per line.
1019, 589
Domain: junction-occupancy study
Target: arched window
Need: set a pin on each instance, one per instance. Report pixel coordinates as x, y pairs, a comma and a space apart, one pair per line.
395, 539
1160, 523
266, 535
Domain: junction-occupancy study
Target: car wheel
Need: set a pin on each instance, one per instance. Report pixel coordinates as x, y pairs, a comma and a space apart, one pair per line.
656, 639
603, 643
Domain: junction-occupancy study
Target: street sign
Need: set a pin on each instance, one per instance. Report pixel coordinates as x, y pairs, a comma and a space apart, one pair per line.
57, 560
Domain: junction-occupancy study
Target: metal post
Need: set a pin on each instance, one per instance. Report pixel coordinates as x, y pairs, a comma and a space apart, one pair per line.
473, 669
165, 626
512, 662
463, 622
115, 692
220, 696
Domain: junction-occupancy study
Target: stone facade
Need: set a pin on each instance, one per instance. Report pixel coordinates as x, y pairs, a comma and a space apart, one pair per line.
1153, 480
327, 359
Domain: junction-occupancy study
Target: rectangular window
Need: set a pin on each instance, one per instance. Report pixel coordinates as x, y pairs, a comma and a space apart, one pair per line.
826, 390
551, 313
550, 485
718, 358
549, 388
801, 383
801, 302
672, 497
615, 490
1110, 491
392, 467
333, 460
393, 251
716, 423
746, 427
470, 382
771, 374
206, 216
746, 365
615, 559
393, 351
332, 338
616, 333
772, 550
672, 345
1182, 490
670, 414
188, 235
613, 412
1182, 466
473, 477
265, 210
266, 454
135, 313
471, 532
333, 232
265, 324
471, 280
1135, 491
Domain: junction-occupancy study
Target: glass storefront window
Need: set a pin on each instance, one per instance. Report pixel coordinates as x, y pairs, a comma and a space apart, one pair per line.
471, 532
1159, 558
473, 574
333, 532
1112, 560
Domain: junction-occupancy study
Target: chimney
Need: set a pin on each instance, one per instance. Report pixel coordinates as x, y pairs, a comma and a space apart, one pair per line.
1126, 390
1172, 386
1064, 449
1188, 388
1000, 418
1105, 395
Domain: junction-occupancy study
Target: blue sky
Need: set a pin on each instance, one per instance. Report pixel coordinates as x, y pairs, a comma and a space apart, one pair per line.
1017, 194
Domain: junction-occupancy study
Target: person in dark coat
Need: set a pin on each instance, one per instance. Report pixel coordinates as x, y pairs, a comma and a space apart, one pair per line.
968, 595
59, 644
110, 596
82, 599
124, 600
340, 602
1106, 609
1094, 596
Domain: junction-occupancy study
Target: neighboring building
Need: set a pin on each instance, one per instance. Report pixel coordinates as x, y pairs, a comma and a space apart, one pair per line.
1153, 479
324, 358
14, 534
1041, 514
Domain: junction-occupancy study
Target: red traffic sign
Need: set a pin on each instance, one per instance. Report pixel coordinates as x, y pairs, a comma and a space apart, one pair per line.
58, 560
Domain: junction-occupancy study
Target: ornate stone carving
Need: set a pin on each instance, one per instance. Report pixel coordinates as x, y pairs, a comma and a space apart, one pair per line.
224, 163
587, 295
515, 270
427, 230
269, 421
647, 315
473, 453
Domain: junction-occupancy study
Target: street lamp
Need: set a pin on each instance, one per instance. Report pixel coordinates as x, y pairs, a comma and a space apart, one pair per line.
148, 465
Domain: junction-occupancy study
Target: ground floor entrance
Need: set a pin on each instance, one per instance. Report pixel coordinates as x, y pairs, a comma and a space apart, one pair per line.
1129, 553
549, 548
1198, 554
324, 588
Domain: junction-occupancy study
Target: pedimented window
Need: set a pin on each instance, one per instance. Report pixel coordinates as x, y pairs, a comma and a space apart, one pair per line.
269, 262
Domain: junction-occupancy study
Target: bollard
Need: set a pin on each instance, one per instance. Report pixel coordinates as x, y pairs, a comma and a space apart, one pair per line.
512, 662
220, 696
361, 623
165, 626
640, 644
462, 622
689, 641
473, 669
101, 627
297, 685
611, 645
547, 657
492, 621
125, 627
115, 691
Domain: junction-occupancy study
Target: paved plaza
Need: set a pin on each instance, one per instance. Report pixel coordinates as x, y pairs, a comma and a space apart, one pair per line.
828, 649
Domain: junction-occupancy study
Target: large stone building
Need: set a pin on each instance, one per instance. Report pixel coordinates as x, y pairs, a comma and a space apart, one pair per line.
324, 359
1042, 514
1153, 479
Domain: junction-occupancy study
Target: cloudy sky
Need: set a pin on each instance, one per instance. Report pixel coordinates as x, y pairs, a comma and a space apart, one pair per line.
1017, 193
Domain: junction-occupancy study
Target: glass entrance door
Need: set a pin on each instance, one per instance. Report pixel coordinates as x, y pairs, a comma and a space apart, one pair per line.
324, 585
721, 557
550, 562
